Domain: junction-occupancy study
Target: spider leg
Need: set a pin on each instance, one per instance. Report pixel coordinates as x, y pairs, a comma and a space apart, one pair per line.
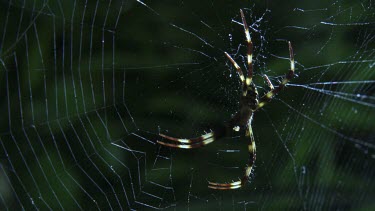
225, 186
238, 68
188, 143
269, 83
252, 156
249, 77
268, 96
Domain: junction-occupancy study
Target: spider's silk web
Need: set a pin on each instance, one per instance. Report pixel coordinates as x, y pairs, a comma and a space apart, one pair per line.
87, 86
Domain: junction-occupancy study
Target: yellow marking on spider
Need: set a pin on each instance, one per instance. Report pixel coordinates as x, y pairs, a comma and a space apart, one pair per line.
208, 135
248, 171
207, 141
260, 105
248, 81
235, 187
252, 147
236, 65
249, 58
271, 86
185, 141
242, 78
236, 128
224, 188
236, 183
285, 81
247, 35
245, 26
269, 95
292, 66
184, 146
225, 184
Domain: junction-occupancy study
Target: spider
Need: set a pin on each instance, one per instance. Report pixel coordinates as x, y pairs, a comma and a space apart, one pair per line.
249, 103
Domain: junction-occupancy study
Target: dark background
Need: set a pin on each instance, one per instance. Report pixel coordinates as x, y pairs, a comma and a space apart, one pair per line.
86, 86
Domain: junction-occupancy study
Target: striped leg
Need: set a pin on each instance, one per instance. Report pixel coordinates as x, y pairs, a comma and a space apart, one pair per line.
269, 83
249, 77
267, 97
188, 143
238, 68
241, 182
